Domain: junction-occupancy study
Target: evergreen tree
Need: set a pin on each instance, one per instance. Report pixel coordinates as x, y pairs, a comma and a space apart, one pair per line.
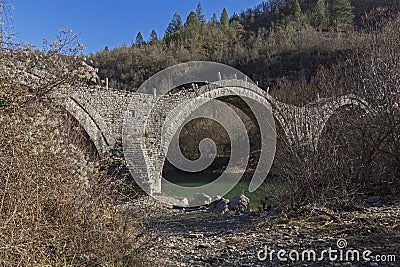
298, 16
342, 12
200, 15
276, 12
139, 39
235, 17
214, 19
224, 18
320, 15
192, 21
297, 9
175, 25
154, 37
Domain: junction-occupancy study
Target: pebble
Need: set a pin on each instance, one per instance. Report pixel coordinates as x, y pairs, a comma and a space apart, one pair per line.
204, 245
196, 235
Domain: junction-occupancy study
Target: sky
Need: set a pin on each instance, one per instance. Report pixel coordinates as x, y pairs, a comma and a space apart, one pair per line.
104, 23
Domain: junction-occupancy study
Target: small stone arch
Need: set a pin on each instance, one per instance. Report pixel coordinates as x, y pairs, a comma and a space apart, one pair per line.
93, 124
333, 106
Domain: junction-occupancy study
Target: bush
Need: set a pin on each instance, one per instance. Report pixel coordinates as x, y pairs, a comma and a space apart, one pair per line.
358, 155
57, 207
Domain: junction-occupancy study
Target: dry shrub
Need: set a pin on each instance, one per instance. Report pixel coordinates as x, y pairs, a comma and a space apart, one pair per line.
329, 173
56, 206
358, 154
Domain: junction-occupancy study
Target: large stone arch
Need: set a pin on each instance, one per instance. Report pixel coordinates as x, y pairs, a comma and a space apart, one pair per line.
156, 148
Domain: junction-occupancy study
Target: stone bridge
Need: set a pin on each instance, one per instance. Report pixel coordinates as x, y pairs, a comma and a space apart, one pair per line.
102, 112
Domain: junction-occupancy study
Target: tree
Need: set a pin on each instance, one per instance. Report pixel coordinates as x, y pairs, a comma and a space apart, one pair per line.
224, 18
175, 25
200, 15
7, 33
320, 15
154, 37
192, 20
298, 16
214, 19
235, 17
342, 12
276, 12
139, 39
296, 9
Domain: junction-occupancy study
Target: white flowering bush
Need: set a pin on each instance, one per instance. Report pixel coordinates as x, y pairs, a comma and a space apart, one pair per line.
57, 205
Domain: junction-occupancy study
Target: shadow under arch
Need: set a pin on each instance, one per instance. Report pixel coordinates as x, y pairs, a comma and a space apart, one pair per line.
172, 123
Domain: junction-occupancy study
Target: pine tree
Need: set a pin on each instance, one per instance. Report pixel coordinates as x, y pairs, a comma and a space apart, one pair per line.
342, 12
200, 15
175, 25
154, 37
297, 9
214, 19
192, 21
320, 15
298, 16
224, 18
276, 12
139, 39
235, 17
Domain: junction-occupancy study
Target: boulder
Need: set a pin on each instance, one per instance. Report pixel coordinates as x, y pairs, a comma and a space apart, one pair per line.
200, 199
239, 203
373, 199
221, 206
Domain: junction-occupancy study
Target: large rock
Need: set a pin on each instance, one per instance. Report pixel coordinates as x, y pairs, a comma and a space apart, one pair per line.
200, 199
373, 199
239, 203
220, 206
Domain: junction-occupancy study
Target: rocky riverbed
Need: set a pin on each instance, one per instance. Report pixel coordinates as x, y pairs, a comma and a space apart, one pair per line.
176, 237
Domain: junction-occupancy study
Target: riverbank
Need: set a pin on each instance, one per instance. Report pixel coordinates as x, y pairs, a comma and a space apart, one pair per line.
201, 238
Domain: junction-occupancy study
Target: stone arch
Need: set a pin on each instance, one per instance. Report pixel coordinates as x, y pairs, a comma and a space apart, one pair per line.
178, 116
332, 106
93, 124
283, 114
280, 110
144, 150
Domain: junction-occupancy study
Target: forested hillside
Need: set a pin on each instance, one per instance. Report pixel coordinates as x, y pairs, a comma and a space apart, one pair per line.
277, 38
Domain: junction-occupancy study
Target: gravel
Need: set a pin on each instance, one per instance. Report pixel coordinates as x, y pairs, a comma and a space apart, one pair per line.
203, 238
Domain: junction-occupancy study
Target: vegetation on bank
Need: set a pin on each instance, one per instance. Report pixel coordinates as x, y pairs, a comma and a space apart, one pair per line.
58, 206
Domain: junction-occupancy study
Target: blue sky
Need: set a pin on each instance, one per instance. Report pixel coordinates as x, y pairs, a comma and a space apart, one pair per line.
107, 23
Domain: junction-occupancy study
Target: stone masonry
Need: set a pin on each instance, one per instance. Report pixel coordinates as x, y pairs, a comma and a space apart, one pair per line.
112, 117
